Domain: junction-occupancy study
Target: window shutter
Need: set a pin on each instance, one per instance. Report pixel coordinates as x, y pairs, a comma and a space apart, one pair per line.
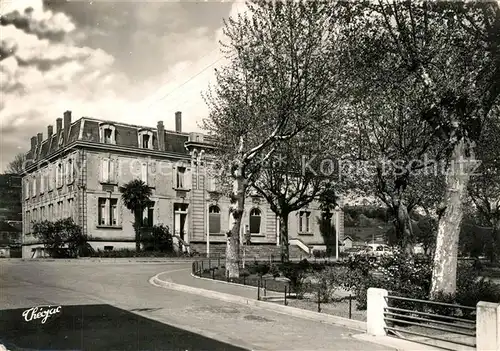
174, 177
188, 179
151, 173
144, 172
104, 170
112, 170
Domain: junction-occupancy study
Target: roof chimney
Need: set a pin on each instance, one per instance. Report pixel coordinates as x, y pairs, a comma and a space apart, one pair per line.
178, 121
67, 124
58, 125
39, 138
50, 131
33, 143
161, 136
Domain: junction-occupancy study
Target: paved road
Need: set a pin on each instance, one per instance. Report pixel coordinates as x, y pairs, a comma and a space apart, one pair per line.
125, 287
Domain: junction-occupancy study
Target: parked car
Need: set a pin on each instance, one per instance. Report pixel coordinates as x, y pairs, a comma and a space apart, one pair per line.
375, 251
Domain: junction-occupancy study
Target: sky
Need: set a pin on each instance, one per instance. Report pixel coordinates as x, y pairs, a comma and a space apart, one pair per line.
129, 61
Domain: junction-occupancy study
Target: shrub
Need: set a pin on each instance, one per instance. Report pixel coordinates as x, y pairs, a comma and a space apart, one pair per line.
62, 238
159, 239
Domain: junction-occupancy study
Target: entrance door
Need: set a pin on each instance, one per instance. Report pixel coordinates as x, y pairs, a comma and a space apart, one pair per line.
180, 221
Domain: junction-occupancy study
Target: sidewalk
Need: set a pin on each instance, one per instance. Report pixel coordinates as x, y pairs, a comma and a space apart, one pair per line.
235, 293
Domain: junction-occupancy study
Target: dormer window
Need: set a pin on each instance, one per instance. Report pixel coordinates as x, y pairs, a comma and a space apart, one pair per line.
107, 133
145, 139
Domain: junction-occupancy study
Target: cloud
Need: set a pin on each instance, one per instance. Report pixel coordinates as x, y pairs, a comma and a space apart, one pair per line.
48, 65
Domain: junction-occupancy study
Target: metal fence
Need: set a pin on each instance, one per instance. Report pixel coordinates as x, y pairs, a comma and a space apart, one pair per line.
268, 288
455, 324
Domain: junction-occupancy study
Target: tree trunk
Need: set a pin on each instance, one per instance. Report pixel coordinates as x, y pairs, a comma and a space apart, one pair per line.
444, 272
285, 245
495, 250
233, 236
137, 229
406, 239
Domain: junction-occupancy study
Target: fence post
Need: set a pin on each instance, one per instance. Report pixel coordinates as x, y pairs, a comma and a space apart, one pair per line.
286, 303
350, 306
209, 263
218, 260
258, 290
213, 274
265, 287
319, 299
376, 305
487, 326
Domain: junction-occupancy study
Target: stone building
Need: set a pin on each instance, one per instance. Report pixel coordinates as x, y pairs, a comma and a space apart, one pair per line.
77, 169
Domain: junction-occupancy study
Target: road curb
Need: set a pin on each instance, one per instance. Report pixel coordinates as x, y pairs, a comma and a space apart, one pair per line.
292, 311
228, 283
398, 344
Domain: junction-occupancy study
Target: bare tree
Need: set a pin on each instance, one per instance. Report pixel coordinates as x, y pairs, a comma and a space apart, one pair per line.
278, 82
16, 166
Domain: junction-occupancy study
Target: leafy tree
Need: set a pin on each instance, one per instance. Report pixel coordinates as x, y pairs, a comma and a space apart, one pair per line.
16, 166
278, 82
61, 238
447, 55
394, 146
136, 197
484, 187
294, 178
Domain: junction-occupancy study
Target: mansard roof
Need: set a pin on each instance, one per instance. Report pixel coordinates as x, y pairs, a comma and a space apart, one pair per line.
86, 129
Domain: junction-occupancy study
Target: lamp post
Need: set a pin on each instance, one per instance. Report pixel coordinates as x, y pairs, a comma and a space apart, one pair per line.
337, 232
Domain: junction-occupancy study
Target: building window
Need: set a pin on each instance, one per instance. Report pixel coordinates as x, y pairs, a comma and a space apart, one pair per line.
52, 178
70, 171
113, 212
50, 211
107, 133
107, 170
35, 215
212, 184
42, 214
181, 174
145, 139
144, 172
108, 212
304, 217
26, 189
42, 181
255, 219
214, 220
34, 186
27, 223
70, 208
148, 216
59, 175
102, 211
60, 210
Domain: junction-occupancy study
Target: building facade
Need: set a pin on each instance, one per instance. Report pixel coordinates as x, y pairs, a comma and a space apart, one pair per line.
76, 172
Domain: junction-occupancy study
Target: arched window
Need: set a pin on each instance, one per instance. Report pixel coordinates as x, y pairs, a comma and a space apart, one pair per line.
255, 219
214, 220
